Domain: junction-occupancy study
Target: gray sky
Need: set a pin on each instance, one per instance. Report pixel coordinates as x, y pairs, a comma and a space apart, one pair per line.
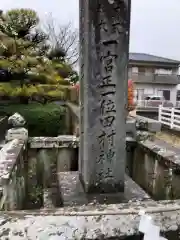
154, 25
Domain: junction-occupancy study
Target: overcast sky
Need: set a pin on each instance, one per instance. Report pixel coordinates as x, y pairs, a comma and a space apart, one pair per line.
154, 23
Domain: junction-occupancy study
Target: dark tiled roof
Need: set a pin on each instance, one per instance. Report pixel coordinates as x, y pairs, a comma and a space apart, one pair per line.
143, 57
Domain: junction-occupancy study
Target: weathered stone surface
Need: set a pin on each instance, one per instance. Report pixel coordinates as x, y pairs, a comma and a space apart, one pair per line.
116, 221
47, 199
8, 156
68, 141
83, 61
73, 194
144, 135
156, 168
103, 117
165, 154
147, 124
71, 189
12, 182
131, 127
17, 133
47, 176
16, 120
65, 159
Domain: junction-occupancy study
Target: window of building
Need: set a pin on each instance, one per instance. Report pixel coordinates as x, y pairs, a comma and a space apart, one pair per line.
140, 94
164, 93
141, 69
178, 95
149, 91
134, 69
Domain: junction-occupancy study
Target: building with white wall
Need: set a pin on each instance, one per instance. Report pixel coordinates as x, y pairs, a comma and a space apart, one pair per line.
154, 75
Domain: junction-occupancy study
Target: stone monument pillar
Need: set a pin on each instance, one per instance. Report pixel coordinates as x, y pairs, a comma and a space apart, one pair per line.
104, 43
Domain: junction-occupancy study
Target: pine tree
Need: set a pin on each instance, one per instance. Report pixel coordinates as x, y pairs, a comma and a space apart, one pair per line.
26, 59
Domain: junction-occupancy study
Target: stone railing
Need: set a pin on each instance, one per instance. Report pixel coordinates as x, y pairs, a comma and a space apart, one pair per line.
56, 148
13, 165
156, 168
12, 175
52, 155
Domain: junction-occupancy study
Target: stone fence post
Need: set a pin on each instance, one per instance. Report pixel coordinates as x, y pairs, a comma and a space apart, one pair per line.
18, 131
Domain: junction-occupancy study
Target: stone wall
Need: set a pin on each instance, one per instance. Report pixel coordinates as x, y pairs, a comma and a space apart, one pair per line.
107, 222
156, 168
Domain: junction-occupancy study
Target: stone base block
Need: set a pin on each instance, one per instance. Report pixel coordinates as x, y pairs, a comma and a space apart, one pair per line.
92, 222
103, 187
73, 194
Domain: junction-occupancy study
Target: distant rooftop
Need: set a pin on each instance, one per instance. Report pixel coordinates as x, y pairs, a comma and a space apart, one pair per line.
144, 57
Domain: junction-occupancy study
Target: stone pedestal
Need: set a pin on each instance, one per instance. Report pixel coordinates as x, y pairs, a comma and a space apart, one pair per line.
104, 40
17, 133
17, 130
72, 192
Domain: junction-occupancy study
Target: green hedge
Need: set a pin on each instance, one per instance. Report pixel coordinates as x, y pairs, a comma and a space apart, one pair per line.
42, 120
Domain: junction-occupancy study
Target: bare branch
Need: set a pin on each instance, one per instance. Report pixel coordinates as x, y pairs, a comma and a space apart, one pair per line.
64, 37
